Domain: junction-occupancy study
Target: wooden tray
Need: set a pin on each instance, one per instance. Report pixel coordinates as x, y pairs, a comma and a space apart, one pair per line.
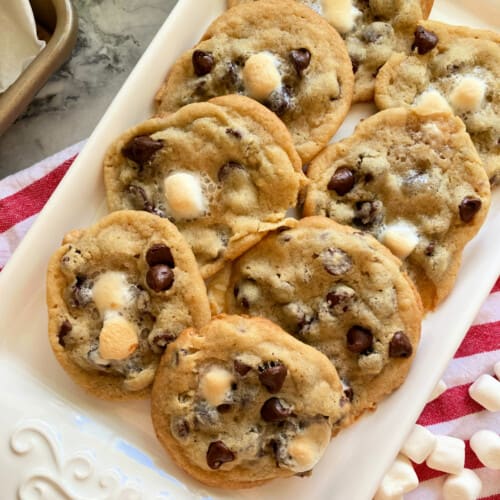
57, 25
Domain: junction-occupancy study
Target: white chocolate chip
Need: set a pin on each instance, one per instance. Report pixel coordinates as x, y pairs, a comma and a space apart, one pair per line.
341, 14
308, 447
486, 445
215, 385
431, 102
261, 76
140, 380
448, 455
184, 195
111, 292
118, 338
401, 238
468, 94
399, 479
438, 390
497, 370
419, 444
464, 486
486, 391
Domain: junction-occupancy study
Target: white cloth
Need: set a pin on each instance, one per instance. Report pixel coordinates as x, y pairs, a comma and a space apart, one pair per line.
19, 43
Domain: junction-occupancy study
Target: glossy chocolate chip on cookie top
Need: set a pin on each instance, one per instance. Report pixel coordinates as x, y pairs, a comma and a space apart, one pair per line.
240, 402
338, 290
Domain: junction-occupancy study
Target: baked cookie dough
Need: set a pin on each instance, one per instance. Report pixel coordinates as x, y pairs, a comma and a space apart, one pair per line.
413, 179
280, 53
340, 291
239, 402
117, 294
372, 31
462, 65
224, 172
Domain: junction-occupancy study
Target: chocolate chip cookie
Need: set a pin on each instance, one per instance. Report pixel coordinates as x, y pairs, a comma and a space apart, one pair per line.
338, 290
413, 179
461, 64
117, 294
280, 53
373, 31
224, 172
239, 402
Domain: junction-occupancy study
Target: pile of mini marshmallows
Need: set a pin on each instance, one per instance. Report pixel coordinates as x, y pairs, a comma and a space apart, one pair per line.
446, 453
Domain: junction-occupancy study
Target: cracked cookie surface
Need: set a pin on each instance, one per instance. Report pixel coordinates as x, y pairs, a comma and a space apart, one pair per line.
239, 402
461, 64
373, 31
224, 172
286, 57
413, 179
117, 294
339, 291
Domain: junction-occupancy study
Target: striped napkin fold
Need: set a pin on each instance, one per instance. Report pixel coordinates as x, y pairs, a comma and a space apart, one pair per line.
454, 413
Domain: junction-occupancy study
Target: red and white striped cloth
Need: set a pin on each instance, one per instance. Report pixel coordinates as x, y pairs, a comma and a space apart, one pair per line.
454, 413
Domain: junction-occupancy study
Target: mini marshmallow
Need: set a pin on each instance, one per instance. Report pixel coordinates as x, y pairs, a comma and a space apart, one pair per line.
468, 94
419, 444
184, 195
261, 76
118, 338
308, 447
448, 455
111, 292
438, 390
341, 14
140, 381
399, 479
497, 370
215, 385
486, 391
464, 486
486, 445
401, 238
430, 102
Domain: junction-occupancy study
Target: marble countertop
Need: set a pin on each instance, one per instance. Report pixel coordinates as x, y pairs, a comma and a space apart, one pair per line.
112, 35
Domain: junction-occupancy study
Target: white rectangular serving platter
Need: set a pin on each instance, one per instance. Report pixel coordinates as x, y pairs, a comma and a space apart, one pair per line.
58, 443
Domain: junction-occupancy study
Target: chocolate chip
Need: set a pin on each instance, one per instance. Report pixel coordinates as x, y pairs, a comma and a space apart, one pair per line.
235, 133
424, 41
273, 410
64, 329
160, 278
359, 340
429, 249
338, 300
342, 181
141, 149
272, 375
203, 62
335, 261
218, 453
231, 78
160, 339
280, 100
300, 59
81, 292
469, 208
227, 168
180, 428
349, 393
355, 65
400, 346
241, 368
159, 254
223, 408
140, 199
368, 213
